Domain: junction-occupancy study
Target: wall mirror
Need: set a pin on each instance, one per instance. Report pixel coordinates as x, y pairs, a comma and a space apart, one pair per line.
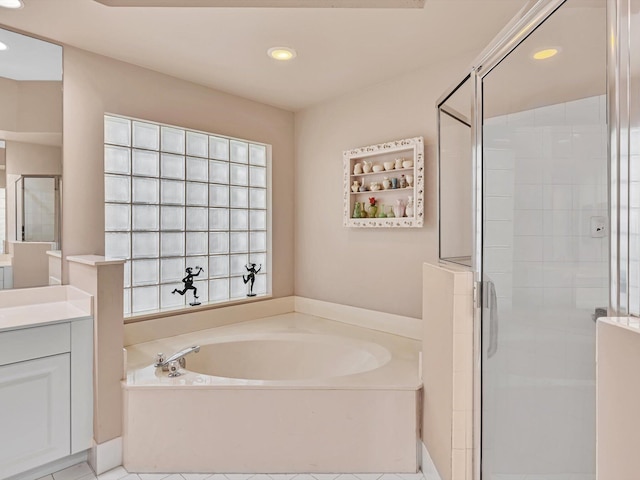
30, 161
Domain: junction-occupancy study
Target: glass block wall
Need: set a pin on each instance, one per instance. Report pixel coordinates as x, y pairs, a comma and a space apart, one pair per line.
176, 198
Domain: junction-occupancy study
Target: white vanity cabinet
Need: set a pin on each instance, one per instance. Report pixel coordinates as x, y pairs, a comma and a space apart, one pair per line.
45, 393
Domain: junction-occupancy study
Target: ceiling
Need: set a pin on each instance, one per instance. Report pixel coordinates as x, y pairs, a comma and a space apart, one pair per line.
339, 49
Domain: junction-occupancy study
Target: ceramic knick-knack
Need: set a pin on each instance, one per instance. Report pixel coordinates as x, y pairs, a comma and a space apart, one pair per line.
381, 213
373, 208
409, 209
390, 213
366, 168
409, 180
399, 208
403, 181
357, 210
357, 169
386, 183
399, 163
394, 182
356, 186
363, 187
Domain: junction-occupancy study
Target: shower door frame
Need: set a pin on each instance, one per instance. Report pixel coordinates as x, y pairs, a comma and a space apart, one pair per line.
530, 17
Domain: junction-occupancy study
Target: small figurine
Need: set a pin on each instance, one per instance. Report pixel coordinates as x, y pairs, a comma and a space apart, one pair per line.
251, 277
188, 285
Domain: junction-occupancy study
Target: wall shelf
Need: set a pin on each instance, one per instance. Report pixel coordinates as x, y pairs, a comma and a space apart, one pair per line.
405, 149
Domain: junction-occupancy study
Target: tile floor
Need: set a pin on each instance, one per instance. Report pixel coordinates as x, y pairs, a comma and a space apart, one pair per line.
82, 471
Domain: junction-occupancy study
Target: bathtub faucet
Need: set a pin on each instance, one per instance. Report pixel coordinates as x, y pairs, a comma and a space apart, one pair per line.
171, 363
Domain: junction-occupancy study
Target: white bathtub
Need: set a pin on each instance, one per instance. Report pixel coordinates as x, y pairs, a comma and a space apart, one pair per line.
285, 394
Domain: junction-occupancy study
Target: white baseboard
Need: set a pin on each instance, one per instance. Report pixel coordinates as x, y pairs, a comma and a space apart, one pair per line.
52, 467
427, 466
384, 322
106, 456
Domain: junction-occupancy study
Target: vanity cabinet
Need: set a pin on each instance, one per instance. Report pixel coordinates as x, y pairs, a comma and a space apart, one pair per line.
377, 171
43, 373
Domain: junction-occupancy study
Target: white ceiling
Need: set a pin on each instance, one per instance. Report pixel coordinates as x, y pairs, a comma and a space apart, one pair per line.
339, 50
29, 59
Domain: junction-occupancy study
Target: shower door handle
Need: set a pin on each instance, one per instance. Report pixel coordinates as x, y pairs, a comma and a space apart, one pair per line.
490, 303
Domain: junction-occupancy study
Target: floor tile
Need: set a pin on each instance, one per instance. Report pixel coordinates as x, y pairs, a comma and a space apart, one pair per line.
115, 474
411, 476
131, 476
390, 476
346, 476
174, 476
238, 476
303, 476
195, 476
74, 472
153, 476
368, 476
261, 476
48, 477
282, 476
326, 476
90, 476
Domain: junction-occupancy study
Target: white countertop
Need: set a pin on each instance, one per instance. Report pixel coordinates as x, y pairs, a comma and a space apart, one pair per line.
30, 307
12, 318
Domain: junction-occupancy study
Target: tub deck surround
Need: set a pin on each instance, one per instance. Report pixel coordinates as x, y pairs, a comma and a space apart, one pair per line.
31, 307
342, 418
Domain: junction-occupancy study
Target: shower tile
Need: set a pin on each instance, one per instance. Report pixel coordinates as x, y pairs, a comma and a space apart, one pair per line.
498, 259
144, 245
499, 183
498, 208
528, 171
528, 222
197, 169
117, 217
585, 111
117, 160
172, 192
145, 190
498, 233
238, 197
145, 217
117, 245
258, 177
197, 219
498, 159
521, 119
218, 219
528, 197
528, 249
172, 218
172, 244
550, 115
527, 143
258, 198
258, 219
117, 189
239, 174
218, 172
528, 274
239, 219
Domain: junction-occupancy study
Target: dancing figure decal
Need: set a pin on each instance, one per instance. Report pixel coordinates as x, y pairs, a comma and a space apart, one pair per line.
188, 284
251, 277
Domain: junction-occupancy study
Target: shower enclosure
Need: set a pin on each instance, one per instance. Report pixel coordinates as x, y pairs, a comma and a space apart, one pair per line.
524, 139
37, 200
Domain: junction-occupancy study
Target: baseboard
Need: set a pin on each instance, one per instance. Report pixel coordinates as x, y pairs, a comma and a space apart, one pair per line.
106, 456
384, 322
52, 467
427, 466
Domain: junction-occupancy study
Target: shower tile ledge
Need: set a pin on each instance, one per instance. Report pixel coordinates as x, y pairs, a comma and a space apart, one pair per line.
628, 323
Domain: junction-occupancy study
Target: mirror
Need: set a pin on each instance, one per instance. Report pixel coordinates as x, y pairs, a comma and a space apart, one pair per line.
30, 161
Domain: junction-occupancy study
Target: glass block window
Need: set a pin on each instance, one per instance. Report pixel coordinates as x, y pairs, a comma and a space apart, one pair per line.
177, 199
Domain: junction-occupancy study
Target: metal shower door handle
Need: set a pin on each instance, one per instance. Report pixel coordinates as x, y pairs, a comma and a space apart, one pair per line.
490, 303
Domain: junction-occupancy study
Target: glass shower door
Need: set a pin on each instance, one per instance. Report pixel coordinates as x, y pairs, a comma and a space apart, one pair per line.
544, 248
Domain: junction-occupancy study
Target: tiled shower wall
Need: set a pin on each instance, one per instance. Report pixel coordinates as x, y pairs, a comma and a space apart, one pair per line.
546, 187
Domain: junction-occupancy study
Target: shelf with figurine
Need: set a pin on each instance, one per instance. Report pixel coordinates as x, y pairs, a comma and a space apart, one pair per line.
393, 170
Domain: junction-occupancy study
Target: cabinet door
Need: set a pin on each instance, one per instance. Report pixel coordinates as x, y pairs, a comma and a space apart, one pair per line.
35, 409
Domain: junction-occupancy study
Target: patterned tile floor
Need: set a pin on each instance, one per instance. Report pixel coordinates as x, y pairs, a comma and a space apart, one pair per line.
82, 471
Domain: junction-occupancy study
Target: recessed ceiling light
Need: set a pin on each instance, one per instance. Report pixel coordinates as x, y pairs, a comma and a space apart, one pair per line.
3, 47
11, 3
546, 53
281, 53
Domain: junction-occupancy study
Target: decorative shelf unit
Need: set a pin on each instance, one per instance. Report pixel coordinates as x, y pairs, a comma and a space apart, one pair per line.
406, 149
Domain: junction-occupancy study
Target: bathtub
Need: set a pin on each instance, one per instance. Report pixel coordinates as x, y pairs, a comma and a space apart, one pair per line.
286, 394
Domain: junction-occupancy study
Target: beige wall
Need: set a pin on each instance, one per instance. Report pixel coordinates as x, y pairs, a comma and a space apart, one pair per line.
378, 269
30, 106
94, 85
